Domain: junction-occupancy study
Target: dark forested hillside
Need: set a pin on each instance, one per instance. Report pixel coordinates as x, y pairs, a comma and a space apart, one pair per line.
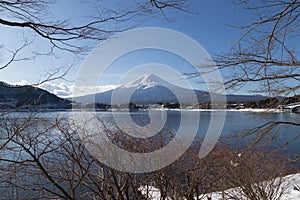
29, 97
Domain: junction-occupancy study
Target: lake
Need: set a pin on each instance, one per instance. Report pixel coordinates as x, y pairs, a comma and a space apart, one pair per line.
236, 123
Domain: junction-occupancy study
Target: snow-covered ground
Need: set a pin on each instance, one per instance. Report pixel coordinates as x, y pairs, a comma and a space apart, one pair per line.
291, 191
292, 185
270, 110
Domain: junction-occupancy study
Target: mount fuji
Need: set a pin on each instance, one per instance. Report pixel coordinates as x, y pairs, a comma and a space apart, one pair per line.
150, 89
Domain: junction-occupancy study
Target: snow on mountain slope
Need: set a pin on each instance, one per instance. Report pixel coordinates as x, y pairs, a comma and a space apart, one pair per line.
147, 81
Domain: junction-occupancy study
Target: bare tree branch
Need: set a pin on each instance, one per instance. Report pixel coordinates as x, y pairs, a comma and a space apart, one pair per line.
266, 52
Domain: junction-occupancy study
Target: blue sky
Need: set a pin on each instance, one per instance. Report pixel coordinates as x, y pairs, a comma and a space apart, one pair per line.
209, 27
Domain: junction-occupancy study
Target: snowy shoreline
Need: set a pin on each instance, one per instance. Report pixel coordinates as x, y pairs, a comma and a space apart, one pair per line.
268, 110
258, 110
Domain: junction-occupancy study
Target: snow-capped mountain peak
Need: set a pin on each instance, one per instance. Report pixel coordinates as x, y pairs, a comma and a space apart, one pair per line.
146, 81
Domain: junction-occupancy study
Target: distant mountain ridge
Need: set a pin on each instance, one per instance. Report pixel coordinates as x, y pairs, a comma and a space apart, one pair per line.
150, 89
25, 97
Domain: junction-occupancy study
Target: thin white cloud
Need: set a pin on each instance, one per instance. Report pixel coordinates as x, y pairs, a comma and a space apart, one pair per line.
67, 91
85, 90
23, 82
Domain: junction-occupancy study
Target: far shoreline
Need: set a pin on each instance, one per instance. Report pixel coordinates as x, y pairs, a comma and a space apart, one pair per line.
253, 110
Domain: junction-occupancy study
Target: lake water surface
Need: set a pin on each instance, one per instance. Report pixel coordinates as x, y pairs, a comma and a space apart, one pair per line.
236, 123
